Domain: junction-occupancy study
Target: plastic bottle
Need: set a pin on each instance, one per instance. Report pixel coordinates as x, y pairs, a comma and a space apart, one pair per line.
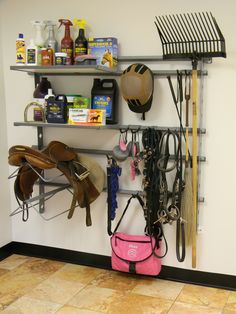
39, 40
20, 49
31, 53
51, 41
67, 44
47, 56
81, 43
105, 96
49, 94
42, 88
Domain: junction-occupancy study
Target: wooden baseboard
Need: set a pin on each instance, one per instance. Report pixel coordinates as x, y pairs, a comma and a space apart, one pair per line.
100, 261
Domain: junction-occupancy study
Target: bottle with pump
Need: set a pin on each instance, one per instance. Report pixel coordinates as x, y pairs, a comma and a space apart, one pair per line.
39, 40
49, 95
20, 50
67, 44
41, 90
81, 43
51, 41
31, 53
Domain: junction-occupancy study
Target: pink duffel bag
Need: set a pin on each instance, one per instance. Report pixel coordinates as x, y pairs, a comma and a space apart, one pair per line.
135, 254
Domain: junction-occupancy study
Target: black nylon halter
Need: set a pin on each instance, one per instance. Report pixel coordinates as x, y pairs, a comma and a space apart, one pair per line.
151, 181
163, 206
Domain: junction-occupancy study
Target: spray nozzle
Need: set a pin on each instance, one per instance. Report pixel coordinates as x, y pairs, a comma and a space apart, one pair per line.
80, 22
65, 22
49, 24
38, 23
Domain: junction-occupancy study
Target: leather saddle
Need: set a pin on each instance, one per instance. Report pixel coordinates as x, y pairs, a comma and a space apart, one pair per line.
83, 173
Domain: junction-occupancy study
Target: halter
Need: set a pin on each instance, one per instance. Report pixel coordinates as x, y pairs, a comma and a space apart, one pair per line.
162, 205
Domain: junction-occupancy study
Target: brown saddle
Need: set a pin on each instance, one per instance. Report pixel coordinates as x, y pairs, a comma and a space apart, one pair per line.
83, 173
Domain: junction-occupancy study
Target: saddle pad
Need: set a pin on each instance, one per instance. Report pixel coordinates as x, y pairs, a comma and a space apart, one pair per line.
96, 173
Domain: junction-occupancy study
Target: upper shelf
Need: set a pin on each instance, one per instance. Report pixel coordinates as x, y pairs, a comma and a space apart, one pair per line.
65, 69
96, 69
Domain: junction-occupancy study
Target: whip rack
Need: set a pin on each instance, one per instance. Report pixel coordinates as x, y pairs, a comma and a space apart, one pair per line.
190, 35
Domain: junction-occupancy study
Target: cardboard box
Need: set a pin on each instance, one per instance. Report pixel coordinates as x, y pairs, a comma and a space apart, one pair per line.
97, 116
105, 50
87, 116
78, 115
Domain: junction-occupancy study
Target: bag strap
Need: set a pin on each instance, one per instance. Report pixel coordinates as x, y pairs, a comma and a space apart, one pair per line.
141, 202
127, 205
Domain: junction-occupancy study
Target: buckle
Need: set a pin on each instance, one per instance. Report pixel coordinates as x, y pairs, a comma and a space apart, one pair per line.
82, 172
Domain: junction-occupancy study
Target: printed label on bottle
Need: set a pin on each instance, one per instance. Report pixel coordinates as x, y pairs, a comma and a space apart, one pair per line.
20, 51
80, 50
38, 114
47, 56
31, 56
39, 56
69, 53
103, 102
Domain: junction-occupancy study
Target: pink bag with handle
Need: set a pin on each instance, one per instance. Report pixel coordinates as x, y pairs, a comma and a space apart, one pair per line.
138, 254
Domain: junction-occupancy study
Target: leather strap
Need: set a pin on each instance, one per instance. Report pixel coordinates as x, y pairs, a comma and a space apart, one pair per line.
127, 206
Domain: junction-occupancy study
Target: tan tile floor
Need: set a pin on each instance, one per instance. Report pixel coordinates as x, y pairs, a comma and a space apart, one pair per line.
37, 286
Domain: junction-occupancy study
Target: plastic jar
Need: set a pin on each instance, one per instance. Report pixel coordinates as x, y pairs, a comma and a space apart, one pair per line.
47, 56
60, 58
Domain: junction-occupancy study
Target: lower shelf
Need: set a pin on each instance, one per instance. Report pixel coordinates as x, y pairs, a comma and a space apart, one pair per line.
102, 127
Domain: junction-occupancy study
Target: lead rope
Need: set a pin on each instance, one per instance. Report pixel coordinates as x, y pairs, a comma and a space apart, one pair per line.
113, 173
168, 214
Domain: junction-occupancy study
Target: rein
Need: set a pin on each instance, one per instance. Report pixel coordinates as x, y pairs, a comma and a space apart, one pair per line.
162, 205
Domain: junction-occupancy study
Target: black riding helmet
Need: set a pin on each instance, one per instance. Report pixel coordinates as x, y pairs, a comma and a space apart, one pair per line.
137, 84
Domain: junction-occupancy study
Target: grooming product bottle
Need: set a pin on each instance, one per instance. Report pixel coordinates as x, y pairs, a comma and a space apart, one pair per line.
20, 49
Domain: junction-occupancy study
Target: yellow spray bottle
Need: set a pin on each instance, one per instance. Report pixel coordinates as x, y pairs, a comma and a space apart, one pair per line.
81, 43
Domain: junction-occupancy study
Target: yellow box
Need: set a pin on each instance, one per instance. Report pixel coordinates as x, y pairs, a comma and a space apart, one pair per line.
97, 116
87, 116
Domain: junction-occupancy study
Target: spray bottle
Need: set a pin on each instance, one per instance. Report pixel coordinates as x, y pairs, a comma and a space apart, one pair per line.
51, 40
67, 42
39, 40
81, 43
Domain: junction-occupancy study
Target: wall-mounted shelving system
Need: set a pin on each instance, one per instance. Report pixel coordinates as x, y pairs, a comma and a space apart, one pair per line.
91, 70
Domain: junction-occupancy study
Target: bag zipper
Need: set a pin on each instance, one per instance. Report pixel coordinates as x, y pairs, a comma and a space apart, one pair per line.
116, 237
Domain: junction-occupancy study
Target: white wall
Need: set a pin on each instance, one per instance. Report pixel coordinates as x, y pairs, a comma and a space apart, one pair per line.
132, 22
5, 222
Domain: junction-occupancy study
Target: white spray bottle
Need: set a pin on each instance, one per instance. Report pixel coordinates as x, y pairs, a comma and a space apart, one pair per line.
39, 39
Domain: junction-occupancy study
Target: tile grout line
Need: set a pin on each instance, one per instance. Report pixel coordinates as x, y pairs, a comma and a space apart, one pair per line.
85, 286
203, 304
226, 303
28, 289
176, 298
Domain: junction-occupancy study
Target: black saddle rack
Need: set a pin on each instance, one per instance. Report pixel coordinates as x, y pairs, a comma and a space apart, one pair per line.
190, 35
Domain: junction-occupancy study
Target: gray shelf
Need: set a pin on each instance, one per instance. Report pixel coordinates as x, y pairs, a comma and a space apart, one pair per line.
65, 70
102, 127
90, 70
62, 186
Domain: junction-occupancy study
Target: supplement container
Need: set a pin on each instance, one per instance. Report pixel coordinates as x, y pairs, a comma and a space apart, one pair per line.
105, 97
60, 58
